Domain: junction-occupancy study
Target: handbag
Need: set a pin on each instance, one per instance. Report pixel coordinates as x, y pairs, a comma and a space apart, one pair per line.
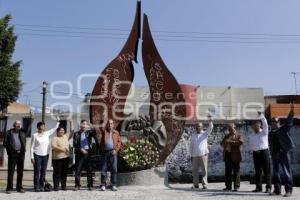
47, 187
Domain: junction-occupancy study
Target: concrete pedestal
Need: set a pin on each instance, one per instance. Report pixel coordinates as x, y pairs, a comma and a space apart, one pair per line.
154, 176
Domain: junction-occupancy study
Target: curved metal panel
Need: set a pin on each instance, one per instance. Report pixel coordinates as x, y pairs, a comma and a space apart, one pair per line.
113, 85
166, 96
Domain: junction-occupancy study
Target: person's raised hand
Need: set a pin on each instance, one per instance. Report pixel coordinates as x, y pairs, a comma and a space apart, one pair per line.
209, 118
292, 107
31, 115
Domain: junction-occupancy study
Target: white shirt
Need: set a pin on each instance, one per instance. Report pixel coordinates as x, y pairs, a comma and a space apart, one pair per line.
259, 141
41, 142
198, 142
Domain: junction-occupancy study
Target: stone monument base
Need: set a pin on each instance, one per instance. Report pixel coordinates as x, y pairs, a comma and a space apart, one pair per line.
154, 176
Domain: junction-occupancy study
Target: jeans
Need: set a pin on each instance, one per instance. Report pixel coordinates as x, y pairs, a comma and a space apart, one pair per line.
109, 161
231, 168
282, 159
60, 171
262, 164
83, 162
40, 167
15, 159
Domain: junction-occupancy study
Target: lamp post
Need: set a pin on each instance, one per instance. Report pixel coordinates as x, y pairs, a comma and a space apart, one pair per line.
44, 100
294, 74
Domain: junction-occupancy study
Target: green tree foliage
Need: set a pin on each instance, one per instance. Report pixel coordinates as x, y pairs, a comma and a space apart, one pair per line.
10, 83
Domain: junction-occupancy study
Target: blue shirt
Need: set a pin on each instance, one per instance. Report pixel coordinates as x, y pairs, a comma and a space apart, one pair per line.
110, 144
84, 143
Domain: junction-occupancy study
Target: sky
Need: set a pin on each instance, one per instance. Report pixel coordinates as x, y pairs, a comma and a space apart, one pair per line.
249, 43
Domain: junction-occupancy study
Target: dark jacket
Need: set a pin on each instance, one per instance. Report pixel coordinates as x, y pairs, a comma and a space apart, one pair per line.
90, 134
8, 141
285, 140
236, 147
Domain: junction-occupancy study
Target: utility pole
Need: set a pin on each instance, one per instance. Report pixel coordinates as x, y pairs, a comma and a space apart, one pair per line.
294, 74
44, 100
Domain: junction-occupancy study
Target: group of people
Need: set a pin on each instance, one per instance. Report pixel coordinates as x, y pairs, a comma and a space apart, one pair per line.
106, 140
268, 147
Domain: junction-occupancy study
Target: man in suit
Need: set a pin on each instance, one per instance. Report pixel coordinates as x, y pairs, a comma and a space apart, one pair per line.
280, 146
232, 144
15, 144
84, 147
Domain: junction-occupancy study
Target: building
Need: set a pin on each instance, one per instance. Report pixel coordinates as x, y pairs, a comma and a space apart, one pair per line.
279, 106
17, 110
223, 103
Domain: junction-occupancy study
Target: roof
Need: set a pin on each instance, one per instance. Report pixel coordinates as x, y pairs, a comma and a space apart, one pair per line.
281, 110
18, 108
285, 98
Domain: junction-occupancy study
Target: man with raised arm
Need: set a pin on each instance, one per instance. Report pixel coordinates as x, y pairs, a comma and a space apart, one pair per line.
110, 145
83, 146
280, 146
199, 153
261, 156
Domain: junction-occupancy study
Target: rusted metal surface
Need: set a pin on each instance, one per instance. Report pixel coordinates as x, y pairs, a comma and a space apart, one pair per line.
113, 85
165, 92
143, 127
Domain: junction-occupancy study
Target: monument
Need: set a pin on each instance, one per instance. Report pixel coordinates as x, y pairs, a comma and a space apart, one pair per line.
164, 125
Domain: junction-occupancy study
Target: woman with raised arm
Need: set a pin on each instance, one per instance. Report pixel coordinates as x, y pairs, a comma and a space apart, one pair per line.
40, 148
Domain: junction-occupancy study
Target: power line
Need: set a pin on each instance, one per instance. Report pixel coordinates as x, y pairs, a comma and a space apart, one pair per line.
161, 31
209, 37
159, 35
76, 32
161, 39
32, 90
69, 36
71, 27
231, 41
76, 95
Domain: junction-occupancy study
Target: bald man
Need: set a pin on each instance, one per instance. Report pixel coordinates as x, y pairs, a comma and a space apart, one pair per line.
199, 153
15, 144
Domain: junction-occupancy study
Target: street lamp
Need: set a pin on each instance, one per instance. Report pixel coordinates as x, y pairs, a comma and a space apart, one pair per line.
44, 100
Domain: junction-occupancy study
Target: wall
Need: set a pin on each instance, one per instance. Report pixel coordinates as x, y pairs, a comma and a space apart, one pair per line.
179, 164
229, 103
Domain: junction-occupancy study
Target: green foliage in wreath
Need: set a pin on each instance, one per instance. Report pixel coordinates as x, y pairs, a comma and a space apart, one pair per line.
140, 155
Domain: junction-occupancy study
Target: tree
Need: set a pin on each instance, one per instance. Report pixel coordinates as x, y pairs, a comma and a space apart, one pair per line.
10, 83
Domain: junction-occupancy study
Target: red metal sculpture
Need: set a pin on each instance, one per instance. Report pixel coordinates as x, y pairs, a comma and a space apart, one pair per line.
113, 85
165, 92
